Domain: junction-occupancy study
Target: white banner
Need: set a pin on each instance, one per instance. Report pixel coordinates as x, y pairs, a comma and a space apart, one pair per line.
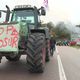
9, 37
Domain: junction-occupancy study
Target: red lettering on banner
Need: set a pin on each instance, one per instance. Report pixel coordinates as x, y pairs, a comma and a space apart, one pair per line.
9, 41
5, 42
9, 29
1, 43
14, 32
11, 36
14, 42
1, 30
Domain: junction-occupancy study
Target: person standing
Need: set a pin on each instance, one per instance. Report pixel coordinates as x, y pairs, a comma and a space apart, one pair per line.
52, 45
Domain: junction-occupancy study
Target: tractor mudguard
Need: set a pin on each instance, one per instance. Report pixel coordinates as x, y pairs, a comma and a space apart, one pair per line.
42, 30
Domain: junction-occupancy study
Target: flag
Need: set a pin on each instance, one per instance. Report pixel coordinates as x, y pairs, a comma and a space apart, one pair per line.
45, 4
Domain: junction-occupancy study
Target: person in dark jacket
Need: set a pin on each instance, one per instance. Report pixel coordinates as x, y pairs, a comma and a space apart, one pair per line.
52, 45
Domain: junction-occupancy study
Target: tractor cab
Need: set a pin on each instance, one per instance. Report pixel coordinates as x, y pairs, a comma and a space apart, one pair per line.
25, 13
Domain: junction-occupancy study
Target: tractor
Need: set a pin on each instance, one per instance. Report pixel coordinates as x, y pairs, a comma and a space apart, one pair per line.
21, 34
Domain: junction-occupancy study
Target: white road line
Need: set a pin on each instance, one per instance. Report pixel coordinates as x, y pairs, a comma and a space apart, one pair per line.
57, 50
61, 70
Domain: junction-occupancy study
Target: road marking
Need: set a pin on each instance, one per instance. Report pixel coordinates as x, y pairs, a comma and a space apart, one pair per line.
57, 50
61, 70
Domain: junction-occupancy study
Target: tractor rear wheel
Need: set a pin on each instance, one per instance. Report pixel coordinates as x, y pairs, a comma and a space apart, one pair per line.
36, 51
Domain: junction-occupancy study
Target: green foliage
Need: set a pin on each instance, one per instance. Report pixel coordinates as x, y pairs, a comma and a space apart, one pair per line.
50, 25
61, 31
44, 25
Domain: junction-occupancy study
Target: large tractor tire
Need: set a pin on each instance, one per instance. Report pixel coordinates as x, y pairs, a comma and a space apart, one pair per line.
47, 51
13, 57
36, 52
47, 56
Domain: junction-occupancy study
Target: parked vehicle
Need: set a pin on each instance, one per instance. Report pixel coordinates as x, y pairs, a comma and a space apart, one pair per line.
72, 43
59, 43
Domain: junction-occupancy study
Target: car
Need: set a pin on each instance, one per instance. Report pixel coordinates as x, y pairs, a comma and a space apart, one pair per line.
59, 43
66, 42
71, 43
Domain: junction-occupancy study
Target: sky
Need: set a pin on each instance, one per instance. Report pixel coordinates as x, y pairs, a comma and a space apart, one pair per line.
59, 10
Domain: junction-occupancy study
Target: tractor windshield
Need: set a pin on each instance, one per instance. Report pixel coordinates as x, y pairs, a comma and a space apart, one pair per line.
27, 15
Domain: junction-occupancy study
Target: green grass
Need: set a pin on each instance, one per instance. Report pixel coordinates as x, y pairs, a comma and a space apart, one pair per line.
75, 46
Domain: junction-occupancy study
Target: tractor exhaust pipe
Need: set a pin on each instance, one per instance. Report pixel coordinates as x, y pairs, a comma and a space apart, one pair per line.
7, 14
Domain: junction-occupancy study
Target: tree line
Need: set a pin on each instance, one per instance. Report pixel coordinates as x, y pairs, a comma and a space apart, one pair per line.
59, 31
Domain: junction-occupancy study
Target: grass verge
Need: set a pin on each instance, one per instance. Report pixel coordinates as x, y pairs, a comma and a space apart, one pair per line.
76, 46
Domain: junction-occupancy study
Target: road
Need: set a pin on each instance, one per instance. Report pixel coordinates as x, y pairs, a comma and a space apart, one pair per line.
18, 70
70, 59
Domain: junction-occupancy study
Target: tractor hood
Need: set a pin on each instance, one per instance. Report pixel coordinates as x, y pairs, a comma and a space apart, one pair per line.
10, 35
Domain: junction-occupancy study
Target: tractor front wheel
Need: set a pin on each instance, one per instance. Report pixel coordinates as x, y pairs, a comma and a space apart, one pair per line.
36, 51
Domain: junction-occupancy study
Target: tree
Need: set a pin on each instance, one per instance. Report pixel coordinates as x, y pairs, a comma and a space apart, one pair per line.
61, 31
78, 25
50, 25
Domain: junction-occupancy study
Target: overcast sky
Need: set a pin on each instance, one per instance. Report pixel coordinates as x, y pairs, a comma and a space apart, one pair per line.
59, 10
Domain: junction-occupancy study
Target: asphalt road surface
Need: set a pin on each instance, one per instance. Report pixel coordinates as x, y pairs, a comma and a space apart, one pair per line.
18, 70
64, 65
70, 58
